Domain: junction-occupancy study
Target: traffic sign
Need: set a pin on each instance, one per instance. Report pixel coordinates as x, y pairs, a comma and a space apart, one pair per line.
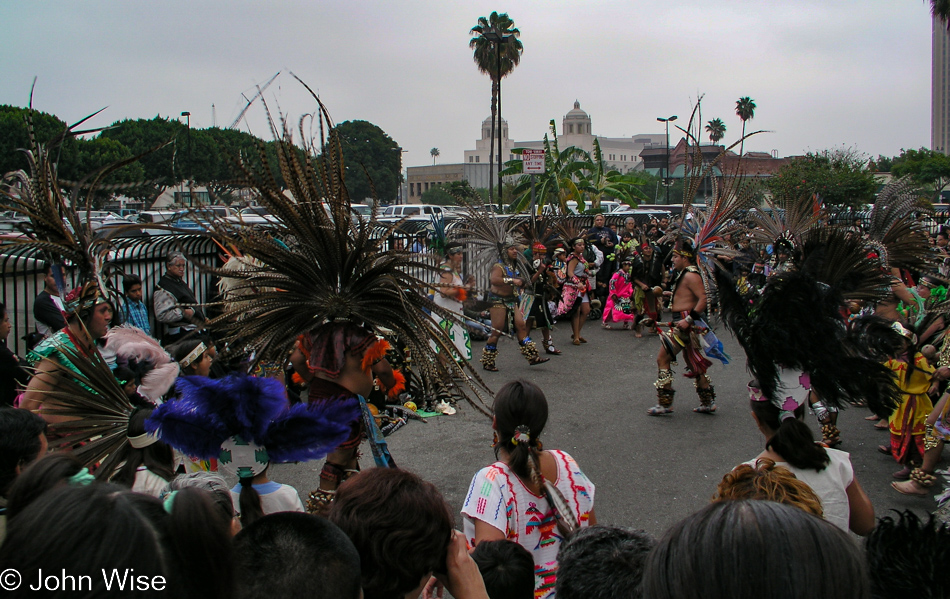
532, 161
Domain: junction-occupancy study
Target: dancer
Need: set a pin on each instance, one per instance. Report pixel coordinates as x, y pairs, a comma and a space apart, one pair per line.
540, 316
619, 307
575, 294
507, 284
495, 246
450, 293
649, 281
326, 289
687, 303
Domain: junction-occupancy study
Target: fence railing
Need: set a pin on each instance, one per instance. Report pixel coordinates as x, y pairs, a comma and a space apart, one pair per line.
22, 272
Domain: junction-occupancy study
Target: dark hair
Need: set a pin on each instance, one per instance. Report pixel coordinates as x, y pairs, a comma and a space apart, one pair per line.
768, 482
180, 350
519, 403
85, 529
390, 515
507, 569
129, 281
20, 443
42, 475
290, 554
3, 310
749, 549
249, 501
123, 373
157, 457
908, 557
792, 439
603, 562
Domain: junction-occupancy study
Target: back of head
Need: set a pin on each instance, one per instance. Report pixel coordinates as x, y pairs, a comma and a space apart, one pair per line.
750, 549
43, 475
519, 407
603, 562
507, 569
82, 530
390, 515
20, 443
212, 484
792, 439
291, 554
908, 557
768, 482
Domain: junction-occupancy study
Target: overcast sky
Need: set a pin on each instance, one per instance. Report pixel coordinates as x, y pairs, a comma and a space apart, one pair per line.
823, 74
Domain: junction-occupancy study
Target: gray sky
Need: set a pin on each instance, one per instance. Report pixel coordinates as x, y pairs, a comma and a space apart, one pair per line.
823, 74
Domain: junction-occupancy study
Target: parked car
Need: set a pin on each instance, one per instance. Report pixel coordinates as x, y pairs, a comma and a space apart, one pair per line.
404, 210
156, 216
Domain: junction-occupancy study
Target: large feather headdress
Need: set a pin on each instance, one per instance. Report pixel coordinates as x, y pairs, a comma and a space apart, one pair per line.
894, 232
317, 266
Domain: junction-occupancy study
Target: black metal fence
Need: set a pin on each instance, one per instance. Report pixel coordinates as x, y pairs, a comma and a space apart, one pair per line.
22, 272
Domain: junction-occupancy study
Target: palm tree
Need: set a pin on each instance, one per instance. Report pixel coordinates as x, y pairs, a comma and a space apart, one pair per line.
940, 9
559, 183
716, 130
599, 180
487, 58
745, 109
434, 152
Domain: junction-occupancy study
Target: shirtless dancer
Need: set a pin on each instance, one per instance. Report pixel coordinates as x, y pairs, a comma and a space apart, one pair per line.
506, 282
687, 304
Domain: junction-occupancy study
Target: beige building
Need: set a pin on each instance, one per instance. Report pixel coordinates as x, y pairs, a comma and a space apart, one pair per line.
620, 153
940, 87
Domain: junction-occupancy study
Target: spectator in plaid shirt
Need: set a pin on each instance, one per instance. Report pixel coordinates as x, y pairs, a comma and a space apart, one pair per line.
134, 310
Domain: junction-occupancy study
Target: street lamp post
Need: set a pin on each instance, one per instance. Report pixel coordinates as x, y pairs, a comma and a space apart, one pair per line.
187, 116
491, 34
665, 182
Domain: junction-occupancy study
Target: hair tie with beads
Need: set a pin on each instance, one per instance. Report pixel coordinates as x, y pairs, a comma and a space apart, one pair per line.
522, 435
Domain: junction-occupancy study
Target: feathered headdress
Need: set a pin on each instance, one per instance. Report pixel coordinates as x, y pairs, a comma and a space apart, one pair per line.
488, 237
246, 411
316, 269
135, 350
797, 324
894, 233
90, 411
789, 220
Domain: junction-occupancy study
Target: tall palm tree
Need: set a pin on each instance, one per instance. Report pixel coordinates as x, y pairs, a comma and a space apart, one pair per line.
434, 152
940, 9
487, 59
745, 109
716, 130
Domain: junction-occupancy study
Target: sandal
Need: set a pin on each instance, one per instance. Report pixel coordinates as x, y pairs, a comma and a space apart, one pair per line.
710, 409
582, 340
538, 360
659, 410
903, 474
575, 342
550, 349
884, 449
881, 426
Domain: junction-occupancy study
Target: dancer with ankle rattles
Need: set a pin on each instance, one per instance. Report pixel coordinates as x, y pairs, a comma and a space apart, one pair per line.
687, 303
507, 283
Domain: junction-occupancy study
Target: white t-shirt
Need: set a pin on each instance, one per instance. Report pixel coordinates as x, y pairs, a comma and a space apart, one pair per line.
499, 498
147, 482
830, 485
275, 497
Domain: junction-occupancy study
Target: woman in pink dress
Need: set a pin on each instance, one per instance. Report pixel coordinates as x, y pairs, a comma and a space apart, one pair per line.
619, 307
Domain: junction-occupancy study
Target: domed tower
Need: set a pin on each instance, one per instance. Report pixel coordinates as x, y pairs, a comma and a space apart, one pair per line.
576, 122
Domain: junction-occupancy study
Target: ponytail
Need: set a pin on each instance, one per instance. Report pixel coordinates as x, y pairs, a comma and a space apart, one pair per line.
521, 411
792, 439
249, 503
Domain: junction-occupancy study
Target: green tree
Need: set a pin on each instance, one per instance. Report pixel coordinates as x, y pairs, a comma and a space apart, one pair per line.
929, 169
839, 177
941, 10
598, 181
494, 62
745, 110
372, 161
559, 183
15, 136
434, 152
716, 130
881, 164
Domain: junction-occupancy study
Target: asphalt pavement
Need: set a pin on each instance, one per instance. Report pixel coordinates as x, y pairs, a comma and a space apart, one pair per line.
649, 472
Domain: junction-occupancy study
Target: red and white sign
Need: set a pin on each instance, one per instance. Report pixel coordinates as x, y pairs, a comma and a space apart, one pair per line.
532, 161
